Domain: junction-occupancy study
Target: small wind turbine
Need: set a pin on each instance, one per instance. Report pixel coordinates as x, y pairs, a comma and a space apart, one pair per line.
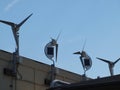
49, 52
49, 49
85, 59
15, 30
110, 64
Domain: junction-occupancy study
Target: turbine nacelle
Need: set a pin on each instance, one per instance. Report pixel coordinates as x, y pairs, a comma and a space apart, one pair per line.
53, 42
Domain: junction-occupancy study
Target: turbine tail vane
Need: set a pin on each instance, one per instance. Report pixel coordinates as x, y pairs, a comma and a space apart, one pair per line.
77, 53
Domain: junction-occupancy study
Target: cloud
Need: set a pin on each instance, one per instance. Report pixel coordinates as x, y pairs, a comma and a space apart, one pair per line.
11, 4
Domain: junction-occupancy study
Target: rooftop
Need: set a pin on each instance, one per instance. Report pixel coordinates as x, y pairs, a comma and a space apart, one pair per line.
112, 82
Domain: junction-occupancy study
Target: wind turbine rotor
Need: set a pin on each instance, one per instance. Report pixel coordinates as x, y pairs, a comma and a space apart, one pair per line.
15, 28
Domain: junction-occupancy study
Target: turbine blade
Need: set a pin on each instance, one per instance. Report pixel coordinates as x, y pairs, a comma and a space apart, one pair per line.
58, 36
77, 53
14, 31
116, 60
20, 24
103, 60
84, 45
7, 22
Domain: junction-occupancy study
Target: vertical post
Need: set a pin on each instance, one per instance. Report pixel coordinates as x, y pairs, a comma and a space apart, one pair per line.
16, 60
17, 35
16, 55
14, 64
53, 72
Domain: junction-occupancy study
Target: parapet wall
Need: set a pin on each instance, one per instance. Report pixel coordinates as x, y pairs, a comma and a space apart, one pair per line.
32, 74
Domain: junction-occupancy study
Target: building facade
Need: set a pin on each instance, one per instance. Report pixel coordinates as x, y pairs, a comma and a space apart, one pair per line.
31, 74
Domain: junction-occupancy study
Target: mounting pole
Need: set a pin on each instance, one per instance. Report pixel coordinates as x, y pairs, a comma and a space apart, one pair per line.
16, 55
53, 71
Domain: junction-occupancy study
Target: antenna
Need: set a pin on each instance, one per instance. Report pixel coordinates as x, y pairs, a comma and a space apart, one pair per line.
110, 64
